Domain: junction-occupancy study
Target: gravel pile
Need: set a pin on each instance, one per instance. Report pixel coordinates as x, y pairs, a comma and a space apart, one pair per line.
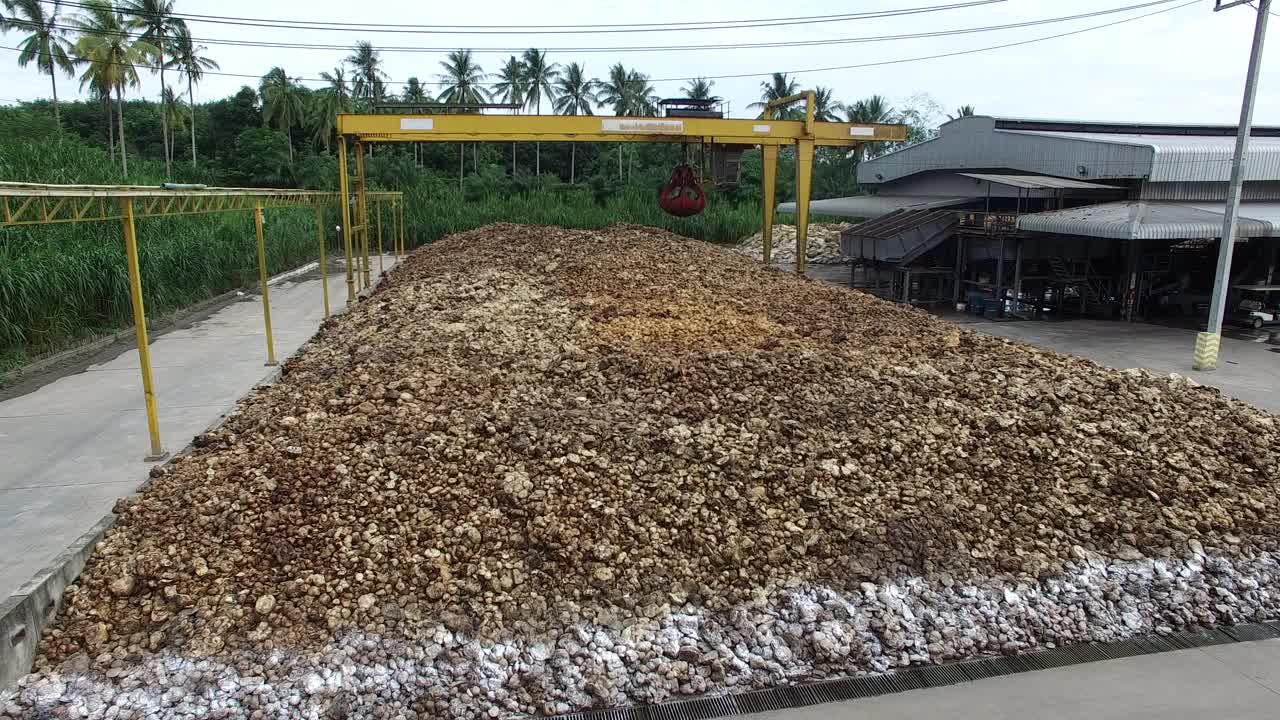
822, 247
544, 470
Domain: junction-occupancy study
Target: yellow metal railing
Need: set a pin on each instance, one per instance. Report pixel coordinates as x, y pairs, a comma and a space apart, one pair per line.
28, 204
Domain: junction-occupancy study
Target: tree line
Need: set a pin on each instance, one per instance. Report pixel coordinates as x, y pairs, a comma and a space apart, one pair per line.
109, 45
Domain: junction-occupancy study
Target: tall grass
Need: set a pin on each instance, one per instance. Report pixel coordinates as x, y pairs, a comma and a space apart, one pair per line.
434, 213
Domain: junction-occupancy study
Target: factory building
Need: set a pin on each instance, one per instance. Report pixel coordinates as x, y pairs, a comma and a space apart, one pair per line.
1051, 219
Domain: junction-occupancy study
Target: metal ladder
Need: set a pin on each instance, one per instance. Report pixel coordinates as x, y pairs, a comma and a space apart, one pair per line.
355, 218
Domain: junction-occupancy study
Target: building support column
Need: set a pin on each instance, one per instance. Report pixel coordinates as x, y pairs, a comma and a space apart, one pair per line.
999, 290
1017, 273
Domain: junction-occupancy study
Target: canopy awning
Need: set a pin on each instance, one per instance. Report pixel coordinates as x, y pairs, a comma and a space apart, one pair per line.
873, 206
1138, 220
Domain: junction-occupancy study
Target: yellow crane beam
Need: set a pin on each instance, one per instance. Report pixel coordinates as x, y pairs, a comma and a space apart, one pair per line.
590, 128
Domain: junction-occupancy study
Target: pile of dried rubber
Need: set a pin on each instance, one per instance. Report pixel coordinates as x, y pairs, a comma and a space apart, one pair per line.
543, 470
822, 246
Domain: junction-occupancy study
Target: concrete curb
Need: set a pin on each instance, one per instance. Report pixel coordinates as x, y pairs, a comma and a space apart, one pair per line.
26, 614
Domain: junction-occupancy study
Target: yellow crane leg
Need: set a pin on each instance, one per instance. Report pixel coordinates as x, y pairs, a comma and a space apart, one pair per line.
324, 267
363, 206
345, 201
804, 173
140, 329
380, 247
262, 277
770, 186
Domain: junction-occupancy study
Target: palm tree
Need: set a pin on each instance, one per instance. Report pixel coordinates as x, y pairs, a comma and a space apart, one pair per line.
641, 95
617, 92
414, 92
462, 75
777, 87
874, 109
962, 111
538, 79
159, 30
46, 43
367, 75
614, 90
281, 102
322, 109
509, 88
825, 107
173, 114
699, 88
338, 86
576, 96
103, 96
191, 63
111, 54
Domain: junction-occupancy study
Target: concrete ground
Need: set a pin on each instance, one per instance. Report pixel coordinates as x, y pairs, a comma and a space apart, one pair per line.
1248, 367
74, 446
1227, 682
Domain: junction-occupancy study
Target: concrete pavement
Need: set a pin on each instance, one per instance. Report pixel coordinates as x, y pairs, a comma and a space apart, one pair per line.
1239, 681
74, 446
1247, 370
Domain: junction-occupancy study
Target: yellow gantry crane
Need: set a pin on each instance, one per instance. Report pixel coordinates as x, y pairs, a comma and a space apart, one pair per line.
27, 204
770, 133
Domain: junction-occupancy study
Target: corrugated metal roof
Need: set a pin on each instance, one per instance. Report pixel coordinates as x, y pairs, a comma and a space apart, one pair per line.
1155, 220
1038, 182
1182, 158
1086, 151
872, 206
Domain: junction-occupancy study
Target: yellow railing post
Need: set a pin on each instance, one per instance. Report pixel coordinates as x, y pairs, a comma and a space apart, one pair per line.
345, 200
324, 267
395, 227
770, 198
262, 276
140, 329
804, 173
380, 269
404, 233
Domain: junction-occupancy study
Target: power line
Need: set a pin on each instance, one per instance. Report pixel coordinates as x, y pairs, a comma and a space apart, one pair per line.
563, 29
879, 63
704, 47
945, 55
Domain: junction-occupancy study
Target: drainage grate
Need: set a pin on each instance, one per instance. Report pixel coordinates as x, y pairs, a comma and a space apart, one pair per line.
930, 676
1252, 631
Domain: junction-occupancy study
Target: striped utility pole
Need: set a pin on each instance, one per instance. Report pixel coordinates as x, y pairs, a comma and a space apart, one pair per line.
1207, 342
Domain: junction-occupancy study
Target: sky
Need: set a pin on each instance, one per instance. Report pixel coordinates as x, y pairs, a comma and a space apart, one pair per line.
1184, 65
